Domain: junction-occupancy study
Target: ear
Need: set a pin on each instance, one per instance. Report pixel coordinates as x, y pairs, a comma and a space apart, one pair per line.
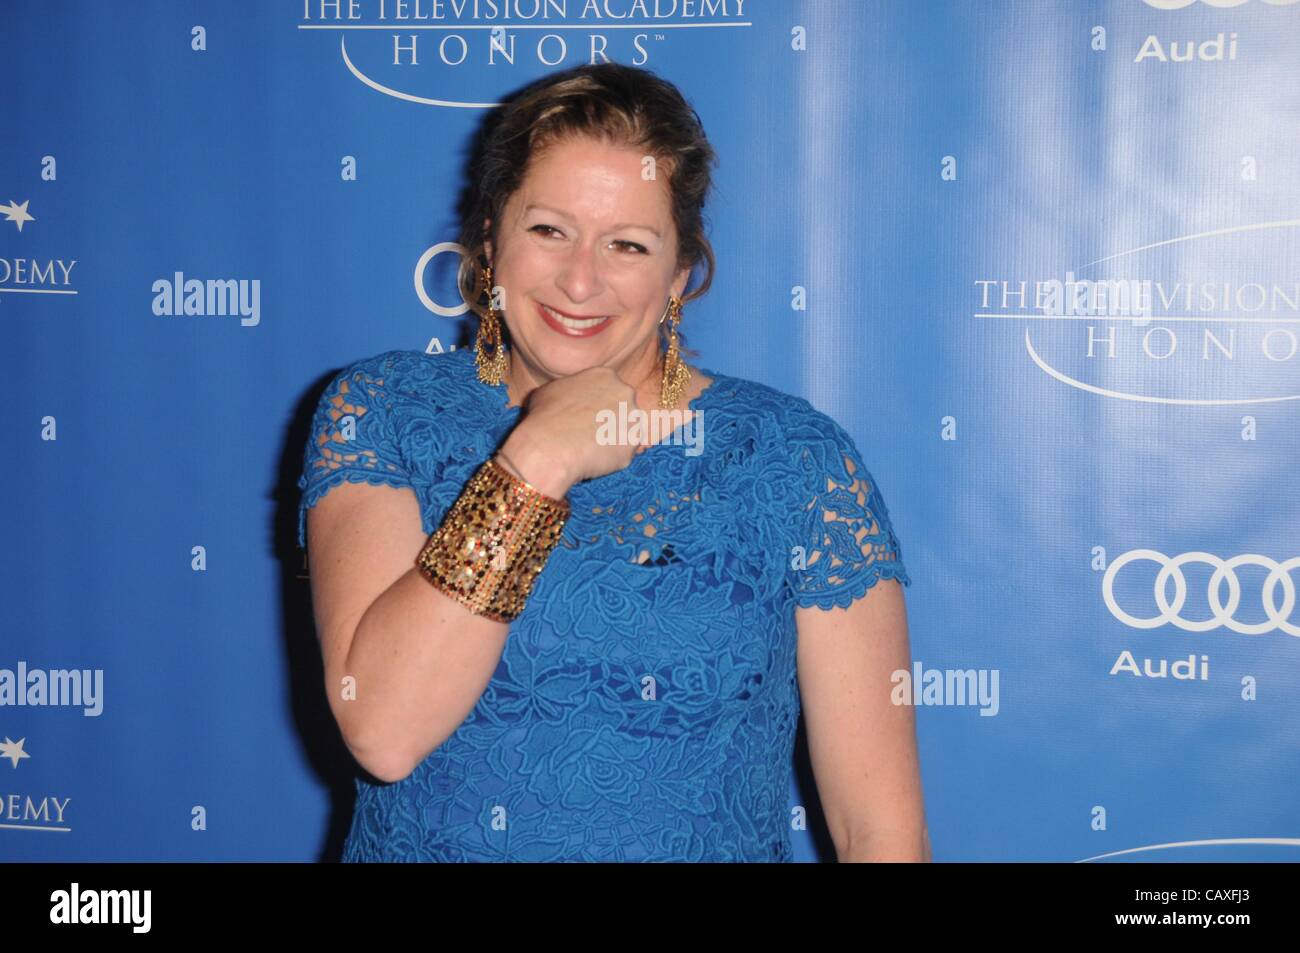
679, 282
487, 242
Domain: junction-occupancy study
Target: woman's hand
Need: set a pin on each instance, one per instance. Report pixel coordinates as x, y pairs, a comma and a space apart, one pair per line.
554, 445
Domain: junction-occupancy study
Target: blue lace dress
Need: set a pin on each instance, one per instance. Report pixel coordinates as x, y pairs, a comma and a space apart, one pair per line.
645, 704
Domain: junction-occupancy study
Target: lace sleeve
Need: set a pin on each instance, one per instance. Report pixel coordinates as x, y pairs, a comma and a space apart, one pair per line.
351, 438
845, 541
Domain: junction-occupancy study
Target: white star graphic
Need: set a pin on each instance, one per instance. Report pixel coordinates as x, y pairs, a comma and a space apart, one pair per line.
17, 214
13, 750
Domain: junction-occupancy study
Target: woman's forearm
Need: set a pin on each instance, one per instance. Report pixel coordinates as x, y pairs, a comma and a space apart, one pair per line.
903, 846
419, 659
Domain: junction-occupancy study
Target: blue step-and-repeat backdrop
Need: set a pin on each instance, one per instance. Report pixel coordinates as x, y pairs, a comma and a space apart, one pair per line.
1040, 259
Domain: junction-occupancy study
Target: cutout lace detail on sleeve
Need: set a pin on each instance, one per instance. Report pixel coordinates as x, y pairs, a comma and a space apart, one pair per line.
351, 439
848, 540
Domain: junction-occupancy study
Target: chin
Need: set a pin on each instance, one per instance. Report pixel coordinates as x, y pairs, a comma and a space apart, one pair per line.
561, 360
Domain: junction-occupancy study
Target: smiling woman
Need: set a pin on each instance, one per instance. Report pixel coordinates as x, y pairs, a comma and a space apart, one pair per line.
544, 644
592, 273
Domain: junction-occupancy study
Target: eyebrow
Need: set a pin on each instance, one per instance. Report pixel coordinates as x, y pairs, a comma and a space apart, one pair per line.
565, 215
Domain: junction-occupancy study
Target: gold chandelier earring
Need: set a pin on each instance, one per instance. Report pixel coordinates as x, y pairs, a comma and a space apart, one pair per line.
491, 369
676, 374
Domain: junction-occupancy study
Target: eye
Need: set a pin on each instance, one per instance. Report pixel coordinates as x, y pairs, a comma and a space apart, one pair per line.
631, 246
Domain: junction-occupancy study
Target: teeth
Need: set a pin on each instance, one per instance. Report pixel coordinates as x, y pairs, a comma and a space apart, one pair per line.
574, 324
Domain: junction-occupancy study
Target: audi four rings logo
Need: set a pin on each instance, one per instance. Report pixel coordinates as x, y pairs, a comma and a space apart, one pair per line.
1279, 574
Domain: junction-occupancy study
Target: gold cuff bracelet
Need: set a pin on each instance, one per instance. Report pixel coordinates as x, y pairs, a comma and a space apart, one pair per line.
493, 542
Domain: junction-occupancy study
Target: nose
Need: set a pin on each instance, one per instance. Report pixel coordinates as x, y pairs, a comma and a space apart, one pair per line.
579, 276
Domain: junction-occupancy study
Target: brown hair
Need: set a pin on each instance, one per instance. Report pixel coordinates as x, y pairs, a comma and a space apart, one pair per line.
619, 104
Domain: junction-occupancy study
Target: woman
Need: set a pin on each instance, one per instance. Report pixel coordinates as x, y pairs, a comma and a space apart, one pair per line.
546, 644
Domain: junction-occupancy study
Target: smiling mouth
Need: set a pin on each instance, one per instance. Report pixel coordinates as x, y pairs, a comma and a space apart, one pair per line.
573, 324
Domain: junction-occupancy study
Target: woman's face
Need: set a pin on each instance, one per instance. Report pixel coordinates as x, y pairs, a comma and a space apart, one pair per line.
589, 235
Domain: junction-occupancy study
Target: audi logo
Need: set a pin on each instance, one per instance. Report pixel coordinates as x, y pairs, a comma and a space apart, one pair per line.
1279, 574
